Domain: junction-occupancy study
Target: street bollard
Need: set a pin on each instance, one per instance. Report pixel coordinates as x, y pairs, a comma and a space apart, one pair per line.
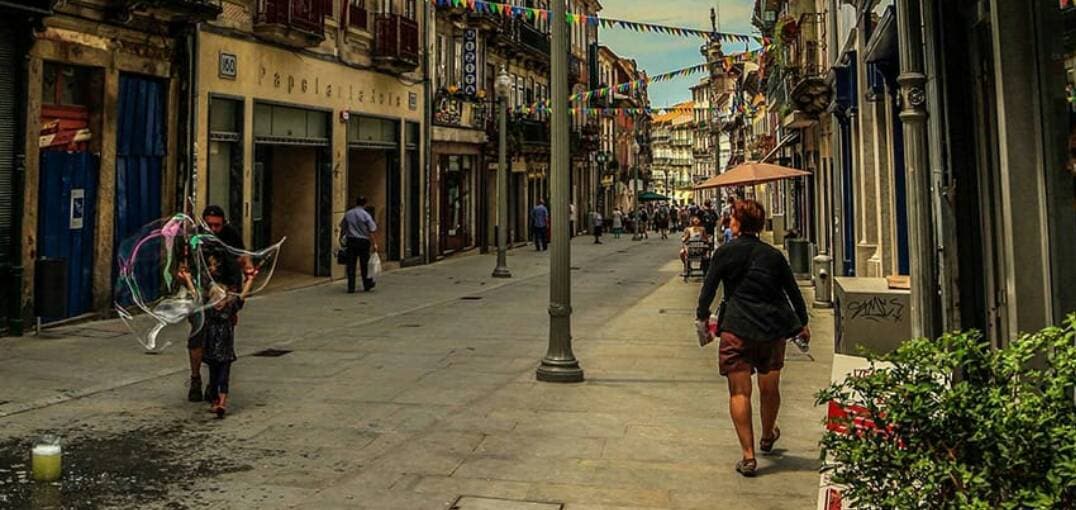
823, 281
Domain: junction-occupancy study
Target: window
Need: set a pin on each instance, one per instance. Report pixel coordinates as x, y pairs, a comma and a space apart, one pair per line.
385, 6
442, 61
410, 9
457, 61
65, 85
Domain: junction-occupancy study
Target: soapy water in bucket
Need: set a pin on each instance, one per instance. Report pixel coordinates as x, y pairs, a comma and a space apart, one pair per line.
173, 270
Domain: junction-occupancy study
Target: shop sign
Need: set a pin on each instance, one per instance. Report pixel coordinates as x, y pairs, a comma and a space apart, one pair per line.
470, 62
299, 85
228, 66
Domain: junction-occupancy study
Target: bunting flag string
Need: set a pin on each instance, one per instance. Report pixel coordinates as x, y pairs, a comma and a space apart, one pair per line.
631, 86
607, 112
533, 13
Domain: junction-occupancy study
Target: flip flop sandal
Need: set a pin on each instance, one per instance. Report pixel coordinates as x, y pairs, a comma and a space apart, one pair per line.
766, 445
747, 467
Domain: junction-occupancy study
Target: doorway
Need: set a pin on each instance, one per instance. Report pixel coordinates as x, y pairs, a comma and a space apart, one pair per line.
975, 168
292, 187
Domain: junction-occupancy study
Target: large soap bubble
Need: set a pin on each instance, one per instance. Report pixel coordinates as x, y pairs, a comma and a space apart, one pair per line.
175, 269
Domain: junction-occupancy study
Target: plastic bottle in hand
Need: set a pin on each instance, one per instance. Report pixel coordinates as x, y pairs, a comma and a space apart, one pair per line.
801, 343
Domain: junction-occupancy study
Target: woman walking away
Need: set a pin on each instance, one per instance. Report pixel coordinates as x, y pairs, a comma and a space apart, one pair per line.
618, 223
761, 310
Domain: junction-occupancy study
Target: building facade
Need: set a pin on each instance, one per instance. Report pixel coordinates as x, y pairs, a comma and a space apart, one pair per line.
104, 121
952, 195
305, 106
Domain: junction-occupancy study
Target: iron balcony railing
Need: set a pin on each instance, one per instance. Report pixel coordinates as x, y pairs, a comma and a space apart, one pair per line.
356, 15
396, 39
305, 15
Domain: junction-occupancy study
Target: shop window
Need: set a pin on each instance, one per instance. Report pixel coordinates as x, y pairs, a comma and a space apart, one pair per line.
224, 172
373, 130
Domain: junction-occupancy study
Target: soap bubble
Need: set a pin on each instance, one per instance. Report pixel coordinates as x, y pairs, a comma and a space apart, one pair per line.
173, 270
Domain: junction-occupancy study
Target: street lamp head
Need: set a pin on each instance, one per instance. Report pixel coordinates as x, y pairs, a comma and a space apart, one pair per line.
504, 82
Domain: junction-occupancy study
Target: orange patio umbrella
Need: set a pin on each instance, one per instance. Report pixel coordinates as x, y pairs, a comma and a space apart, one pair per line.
749, 174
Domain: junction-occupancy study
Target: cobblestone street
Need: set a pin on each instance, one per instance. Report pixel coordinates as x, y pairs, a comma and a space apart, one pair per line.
418, 396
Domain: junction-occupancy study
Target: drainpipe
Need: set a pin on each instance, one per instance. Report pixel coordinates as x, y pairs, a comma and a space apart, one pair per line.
427, 142
186, 189
913, 96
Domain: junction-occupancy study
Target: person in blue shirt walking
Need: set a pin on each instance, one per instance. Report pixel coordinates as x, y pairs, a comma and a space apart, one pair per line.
539, 225
357, 236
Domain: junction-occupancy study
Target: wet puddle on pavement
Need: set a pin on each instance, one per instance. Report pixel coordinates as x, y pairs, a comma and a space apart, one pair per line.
121, 470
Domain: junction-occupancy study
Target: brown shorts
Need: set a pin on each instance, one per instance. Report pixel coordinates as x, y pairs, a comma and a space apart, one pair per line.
736, 355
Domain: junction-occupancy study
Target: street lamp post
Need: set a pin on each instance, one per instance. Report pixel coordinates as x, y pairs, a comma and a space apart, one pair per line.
501, 229
635, 192
559, 364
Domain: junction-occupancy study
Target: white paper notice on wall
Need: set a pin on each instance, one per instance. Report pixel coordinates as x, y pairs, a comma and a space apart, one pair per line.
78, 208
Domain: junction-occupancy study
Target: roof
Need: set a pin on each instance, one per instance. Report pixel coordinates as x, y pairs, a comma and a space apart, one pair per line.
676, 116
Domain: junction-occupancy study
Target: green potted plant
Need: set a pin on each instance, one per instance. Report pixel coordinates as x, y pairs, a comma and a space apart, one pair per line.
954, 423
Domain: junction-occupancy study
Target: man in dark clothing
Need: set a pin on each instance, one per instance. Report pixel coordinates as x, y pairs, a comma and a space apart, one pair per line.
357, 236
762, 309
540, 223
235, 270
709, 218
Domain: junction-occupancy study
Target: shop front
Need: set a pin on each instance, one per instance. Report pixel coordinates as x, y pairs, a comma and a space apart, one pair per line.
100, 159
294, 141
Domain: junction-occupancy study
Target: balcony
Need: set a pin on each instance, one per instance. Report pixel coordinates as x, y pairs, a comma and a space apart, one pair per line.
460, 112
164, 10
533, 133
356, 15
806, 81
533, 40
396, 43
298, 23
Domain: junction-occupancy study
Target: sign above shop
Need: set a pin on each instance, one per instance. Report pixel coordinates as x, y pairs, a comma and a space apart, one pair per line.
470, 62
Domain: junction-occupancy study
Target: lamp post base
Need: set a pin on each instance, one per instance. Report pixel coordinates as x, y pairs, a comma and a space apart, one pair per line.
502, 272
560, 371
637, 237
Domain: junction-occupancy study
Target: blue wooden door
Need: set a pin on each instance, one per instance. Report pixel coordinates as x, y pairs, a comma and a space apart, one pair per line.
65, 227
140, 152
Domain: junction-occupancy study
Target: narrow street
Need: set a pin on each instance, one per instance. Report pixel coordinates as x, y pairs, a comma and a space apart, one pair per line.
417, 396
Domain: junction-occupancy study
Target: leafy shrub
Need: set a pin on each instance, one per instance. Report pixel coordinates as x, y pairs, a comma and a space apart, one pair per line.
959, 424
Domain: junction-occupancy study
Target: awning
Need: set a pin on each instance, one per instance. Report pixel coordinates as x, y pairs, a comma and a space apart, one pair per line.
790, 139
749, 174
882, 46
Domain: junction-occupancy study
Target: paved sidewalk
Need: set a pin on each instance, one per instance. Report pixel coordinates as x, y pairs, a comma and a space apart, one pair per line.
419, 396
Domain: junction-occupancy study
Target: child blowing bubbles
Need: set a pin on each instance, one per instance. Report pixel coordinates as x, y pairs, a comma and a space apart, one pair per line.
226, 299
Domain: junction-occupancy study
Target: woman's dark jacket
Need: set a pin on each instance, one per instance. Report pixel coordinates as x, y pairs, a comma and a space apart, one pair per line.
763, 301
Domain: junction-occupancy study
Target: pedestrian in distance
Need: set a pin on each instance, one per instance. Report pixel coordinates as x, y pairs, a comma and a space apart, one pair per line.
762, 309
709, 218
596, 226
224, 236
357, 237
539, 226
726, 230
644, 221
661, 221
618, 223
571, 223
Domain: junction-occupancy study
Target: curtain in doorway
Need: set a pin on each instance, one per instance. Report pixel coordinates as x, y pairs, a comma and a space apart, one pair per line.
140, 151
